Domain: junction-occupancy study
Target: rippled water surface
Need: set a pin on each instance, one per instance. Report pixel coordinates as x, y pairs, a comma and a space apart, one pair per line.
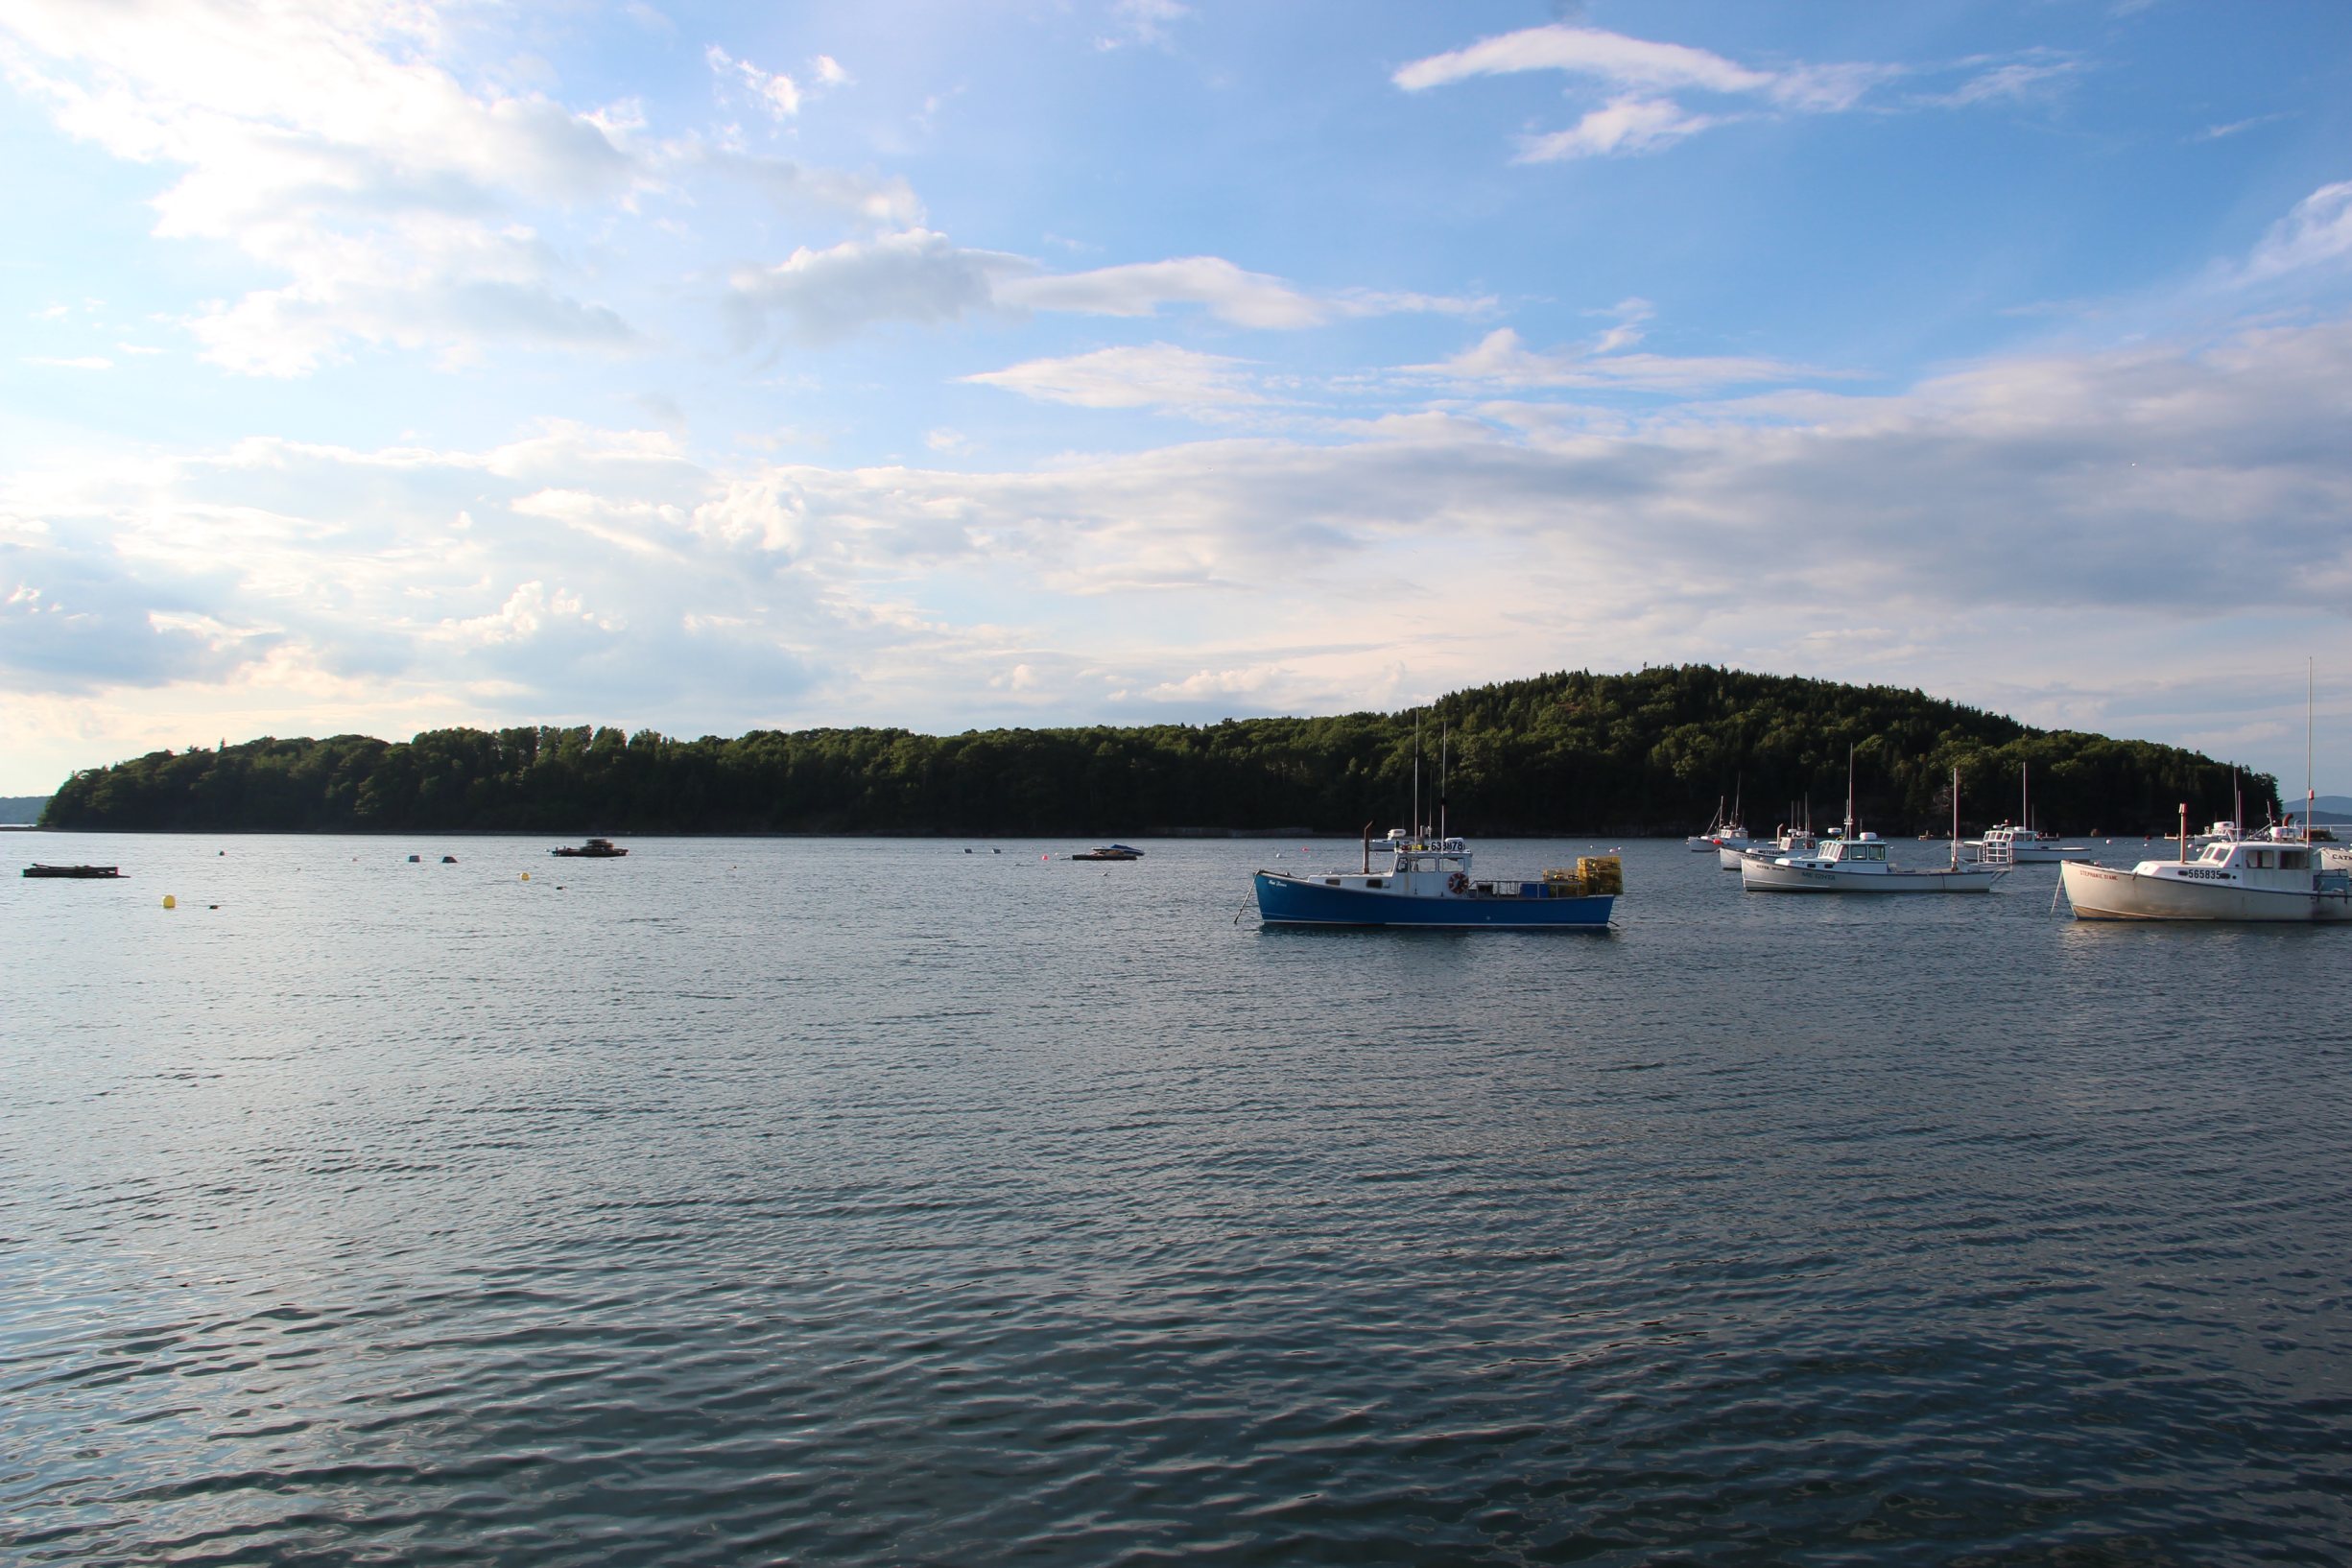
872, 1201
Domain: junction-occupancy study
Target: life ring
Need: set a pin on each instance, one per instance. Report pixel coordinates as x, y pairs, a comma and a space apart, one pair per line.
1457, 882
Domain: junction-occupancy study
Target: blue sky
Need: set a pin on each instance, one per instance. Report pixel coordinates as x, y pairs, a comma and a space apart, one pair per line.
381, 367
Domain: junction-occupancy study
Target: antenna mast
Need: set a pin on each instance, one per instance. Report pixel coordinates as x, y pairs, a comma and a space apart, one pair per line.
1849, 789
1955, 816
1416, 772
1444, 735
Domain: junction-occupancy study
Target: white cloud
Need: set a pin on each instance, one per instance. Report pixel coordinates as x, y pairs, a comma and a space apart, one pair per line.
1243, 682
1623, 124
1609, 57
326, 142
1645, 80
773, 91
2015, 81
1611, 360
83, 361
1244, 298
915, 276
2317, 234
919, 275
1160, 375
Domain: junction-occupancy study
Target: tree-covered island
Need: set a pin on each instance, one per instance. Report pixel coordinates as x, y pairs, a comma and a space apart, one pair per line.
1648, 753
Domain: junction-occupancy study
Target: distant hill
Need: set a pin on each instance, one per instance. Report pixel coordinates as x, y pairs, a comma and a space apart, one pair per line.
1651, 751
21, 808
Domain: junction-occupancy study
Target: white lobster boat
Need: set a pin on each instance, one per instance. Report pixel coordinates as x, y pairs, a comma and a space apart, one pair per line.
1854, 862
1789, 840
2249, 879
2022, 843
2007, 846
1857, 863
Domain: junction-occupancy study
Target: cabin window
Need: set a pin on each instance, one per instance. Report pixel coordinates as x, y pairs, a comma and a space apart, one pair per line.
2292, 860
2260, 859
1374, 882
1331, 882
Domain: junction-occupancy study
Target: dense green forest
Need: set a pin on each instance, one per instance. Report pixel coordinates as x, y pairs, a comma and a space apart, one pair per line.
1617, 754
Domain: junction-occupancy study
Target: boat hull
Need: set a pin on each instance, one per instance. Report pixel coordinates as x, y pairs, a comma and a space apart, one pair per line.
1299, 901
1765, 876
2099, 892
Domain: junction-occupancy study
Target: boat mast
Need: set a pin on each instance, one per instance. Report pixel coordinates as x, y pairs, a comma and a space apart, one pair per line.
1416, 772
2025, 813
1444, 735
1849, 789
1955, 816
2311, 711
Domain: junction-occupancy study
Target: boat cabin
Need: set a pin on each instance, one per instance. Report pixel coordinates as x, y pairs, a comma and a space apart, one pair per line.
2254, 855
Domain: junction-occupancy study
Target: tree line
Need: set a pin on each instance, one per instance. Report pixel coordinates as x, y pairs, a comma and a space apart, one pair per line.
1645, 753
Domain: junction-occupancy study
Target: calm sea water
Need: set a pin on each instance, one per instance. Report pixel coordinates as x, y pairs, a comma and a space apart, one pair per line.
870, 1202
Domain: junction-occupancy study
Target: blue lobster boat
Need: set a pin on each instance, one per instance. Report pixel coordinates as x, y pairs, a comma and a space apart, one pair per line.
1430, 882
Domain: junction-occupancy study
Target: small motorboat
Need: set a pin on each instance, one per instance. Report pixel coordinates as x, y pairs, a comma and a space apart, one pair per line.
83, 873
593, 850
1111, 851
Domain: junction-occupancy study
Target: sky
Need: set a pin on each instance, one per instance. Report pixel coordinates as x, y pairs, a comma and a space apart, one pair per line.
376, 367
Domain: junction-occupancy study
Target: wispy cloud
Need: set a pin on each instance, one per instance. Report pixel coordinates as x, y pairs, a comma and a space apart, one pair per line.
920, 275
1645, 80
1623, 124
1142, 22
1159, 375
2317, 234
772, 90
1649, 86
1501, 359
2012, 82
2219, 132
1140, 288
